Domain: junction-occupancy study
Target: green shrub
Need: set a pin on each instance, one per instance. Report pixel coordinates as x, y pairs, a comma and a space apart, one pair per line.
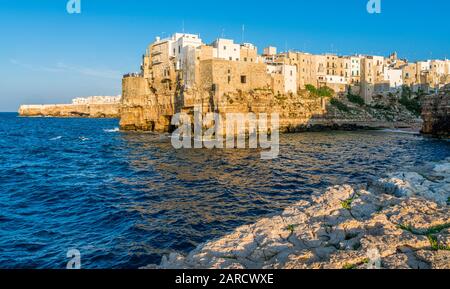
412, 105
355, 99
349, 266
325, 91
381, 106
311, 88
339, 105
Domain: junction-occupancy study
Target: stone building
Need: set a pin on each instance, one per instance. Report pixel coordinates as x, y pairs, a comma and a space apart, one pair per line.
180, 72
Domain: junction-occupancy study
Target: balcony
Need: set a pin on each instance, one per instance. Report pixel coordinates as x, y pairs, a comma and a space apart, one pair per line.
156, 52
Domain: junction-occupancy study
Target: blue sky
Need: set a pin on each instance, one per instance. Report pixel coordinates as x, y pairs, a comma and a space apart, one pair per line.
50, 56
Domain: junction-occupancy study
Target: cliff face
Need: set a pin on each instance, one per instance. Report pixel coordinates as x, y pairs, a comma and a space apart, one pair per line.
146, 108
436, 113
72, 110
142, 109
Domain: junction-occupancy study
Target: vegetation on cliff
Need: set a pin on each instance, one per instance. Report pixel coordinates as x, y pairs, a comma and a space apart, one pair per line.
321, 92
410, 101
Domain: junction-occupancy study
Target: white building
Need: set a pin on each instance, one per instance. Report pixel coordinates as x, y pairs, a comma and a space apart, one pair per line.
355, 66
270, 51
290, 78
179, 44
226, 49
334, 79
97, 100
289, 73
423, 65
438, 66
394, 77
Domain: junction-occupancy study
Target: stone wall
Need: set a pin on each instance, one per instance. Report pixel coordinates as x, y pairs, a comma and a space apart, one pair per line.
436, 113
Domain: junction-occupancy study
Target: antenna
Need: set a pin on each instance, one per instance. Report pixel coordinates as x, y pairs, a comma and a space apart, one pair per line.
223, 33
243, 32
183, 26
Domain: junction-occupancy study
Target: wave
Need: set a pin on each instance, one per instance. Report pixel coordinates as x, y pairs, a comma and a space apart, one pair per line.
400, 131
116, 129
56, 138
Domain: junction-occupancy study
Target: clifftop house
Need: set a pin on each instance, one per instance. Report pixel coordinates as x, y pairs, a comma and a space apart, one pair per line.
181, 71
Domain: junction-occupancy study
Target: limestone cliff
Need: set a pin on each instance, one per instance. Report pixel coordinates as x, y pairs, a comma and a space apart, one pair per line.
143, 109
436, 113
71, 110
147, 108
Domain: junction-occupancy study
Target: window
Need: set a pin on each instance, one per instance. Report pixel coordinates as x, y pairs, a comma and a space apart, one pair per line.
224, 48
243, 79
229, 79
245, 59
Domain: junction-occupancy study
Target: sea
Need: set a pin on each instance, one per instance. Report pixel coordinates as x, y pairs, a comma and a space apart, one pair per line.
125, 199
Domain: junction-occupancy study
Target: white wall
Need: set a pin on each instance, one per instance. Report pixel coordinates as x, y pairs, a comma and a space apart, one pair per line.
423, 65
290, 78
179, 44
438, 66
270, 50
394, 76
289, 73
355, 64
226, 49
335, 79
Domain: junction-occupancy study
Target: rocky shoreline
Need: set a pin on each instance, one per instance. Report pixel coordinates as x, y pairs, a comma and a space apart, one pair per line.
398, 222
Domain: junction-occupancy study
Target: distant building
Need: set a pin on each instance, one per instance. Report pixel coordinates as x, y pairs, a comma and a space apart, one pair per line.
270, 51
97, 100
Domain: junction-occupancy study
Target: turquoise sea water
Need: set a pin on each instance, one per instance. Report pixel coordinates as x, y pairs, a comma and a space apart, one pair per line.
125, 199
